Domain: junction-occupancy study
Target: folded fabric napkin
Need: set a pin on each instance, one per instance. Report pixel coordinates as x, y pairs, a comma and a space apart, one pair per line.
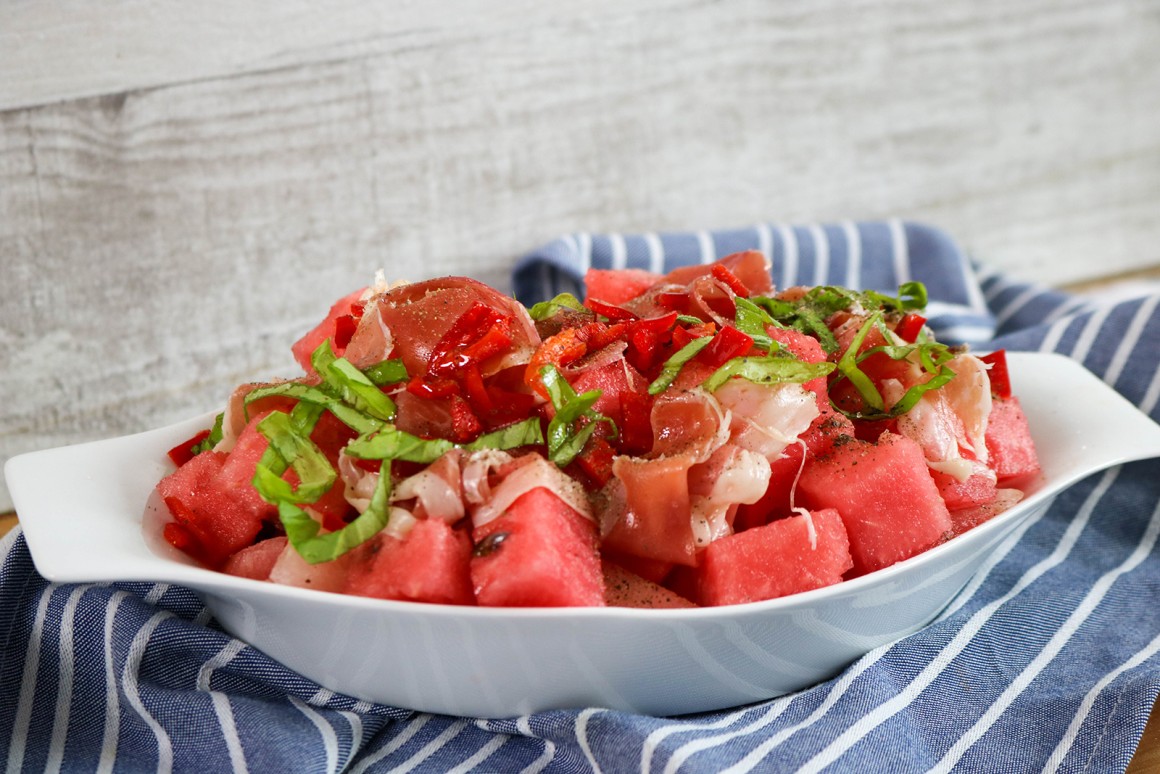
1048, 660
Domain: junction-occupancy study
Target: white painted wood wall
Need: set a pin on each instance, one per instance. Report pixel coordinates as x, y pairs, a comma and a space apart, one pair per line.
185, 187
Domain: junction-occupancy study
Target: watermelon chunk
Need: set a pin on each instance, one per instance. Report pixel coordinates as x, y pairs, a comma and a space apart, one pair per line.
210, 522
615, 286
889, 503
1010, 449
429, 565
343, 307
775, 560
623, 588
539, 553
823, 433
256, 561
969, 518
808, 349
237, 474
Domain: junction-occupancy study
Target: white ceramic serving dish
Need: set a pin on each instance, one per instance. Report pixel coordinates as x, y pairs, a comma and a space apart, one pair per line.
501, 662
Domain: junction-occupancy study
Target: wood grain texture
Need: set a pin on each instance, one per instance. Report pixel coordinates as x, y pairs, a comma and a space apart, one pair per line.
164, 241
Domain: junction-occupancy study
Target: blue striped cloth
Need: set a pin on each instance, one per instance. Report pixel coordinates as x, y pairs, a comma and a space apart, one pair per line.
1048, 660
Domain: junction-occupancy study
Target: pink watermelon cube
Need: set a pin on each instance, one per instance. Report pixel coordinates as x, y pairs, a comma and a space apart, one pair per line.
823, 433
539, 553
256, 561
429, 565
1011, 452
889, 503
327, 329
775, 560
976, 490
615, 286
209, 521
623, 588
237, 474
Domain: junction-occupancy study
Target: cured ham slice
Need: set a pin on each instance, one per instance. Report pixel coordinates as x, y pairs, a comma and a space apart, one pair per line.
418, 315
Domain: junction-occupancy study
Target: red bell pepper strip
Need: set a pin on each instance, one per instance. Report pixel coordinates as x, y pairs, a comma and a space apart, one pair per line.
614, 313
1000, 376
909, 327
465, 425
183, 452
565, 347
596, 461
723, 274
726, 345
647, 340
477, 334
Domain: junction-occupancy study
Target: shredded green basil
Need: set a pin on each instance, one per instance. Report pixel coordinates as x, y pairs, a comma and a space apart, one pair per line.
672, 367
210, 441
546, 309
387, 372
292, 446
391, 443
848, 366
357, 420
932, 356
808, 314
302, 530
768, 369
350, 384
751, 320
565, 440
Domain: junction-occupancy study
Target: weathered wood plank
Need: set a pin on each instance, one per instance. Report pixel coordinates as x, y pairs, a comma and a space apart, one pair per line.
159, 245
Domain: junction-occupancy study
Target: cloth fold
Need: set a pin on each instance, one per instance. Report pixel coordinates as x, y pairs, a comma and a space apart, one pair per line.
1048, 660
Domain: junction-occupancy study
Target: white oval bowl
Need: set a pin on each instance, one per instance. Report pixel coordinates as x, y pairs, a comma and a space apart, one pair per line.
499, 662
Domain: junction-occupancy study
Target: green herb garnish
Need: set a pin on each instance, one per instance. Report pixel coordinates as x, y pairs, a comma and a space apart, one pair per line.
672, 367
565, 441
546, 309
390, 443
932, 356
768, 369
302, 530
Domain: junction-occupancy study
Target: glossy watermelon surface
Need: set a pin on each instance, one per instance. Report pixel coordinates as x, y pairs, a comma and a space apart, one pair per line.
540, 553
787, 556
890, 505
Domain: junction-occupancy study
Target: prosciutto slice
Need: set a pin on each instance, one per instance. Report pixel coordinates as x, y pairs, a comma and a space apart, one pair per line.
409, 320
649, 511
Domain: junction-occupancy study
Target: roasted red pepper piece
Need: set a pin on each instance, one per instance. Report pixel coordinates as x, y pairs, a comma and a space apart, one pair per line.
647, 340
726, 345
1000, 376
598, 335
465, 425
344, 328
565, 347
614, 313
473, 337
635, 426
910, 326
596, 461
427, 387
723, 274
183, 452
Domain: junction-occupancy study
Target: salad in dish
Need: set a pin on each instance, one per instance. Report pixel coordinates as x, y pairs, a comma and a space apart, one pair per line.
695, 438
